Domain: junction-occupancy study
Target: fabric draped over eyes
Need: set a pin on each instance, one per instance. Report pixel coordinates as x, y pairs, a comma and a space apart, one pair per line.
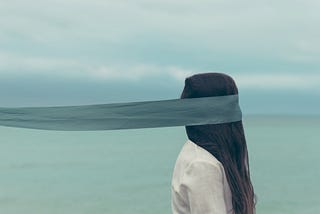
130, 115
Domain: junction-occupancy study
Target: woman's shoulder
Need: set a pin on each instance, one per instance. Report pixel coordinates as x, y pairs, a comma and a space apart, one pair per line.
195, 164
193, 157
200, 155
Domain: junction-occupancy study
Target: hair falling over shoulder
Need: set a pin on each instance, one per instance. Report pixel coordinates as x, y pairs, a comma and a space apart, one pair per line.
226, 141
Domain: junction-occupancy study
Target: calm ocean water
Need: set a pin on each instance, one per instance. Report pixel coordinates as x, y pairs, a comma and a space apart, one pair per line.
129, 171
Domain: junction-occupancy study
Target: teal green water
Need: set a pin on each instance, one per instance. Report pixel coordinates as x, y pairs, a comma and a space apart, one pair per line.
129, 171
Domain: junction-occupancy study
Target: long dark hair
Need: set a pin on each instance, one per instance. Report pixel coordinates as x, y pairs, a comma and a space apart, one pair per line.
224, 141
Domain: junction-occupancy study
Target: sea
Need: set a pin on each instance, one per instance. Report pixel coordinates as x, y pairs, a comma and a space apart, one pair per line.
129, 171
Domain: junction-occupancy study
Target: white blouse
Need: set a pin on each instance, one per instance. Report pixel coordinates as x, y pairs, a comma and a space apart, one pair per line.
199, 184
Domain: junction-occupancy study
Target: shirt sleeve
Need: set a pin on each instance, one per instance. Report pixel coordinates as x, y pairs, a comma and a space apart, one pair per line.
202, 186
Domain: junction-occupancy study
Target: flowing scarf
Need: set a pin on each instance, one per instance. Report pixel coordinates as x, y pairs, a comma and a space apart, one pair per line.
130, 115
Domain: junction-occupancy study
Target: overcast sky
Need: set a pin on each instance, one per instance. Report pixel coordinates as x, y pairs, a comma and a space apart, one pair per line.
100, 51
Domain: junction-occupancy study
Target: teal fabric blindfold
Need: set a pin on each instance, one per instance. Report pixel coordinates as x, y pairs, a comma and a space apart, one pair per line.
130, 115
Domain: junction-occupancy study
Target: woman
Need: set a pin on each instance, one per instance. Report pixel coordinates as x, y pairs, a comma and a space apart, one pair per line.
211, 174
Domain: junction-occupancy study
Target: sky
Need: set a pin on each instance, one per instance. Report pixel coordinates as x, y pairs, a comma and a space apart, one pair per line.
73, 52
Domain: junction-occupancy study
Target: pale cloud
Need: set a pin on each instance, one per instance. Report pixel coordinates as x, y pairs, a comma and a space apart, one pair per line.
21, 65
179, 73
282, 81
242, 26
132, 73
29, 65
139, 72
37, 34
25, 65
